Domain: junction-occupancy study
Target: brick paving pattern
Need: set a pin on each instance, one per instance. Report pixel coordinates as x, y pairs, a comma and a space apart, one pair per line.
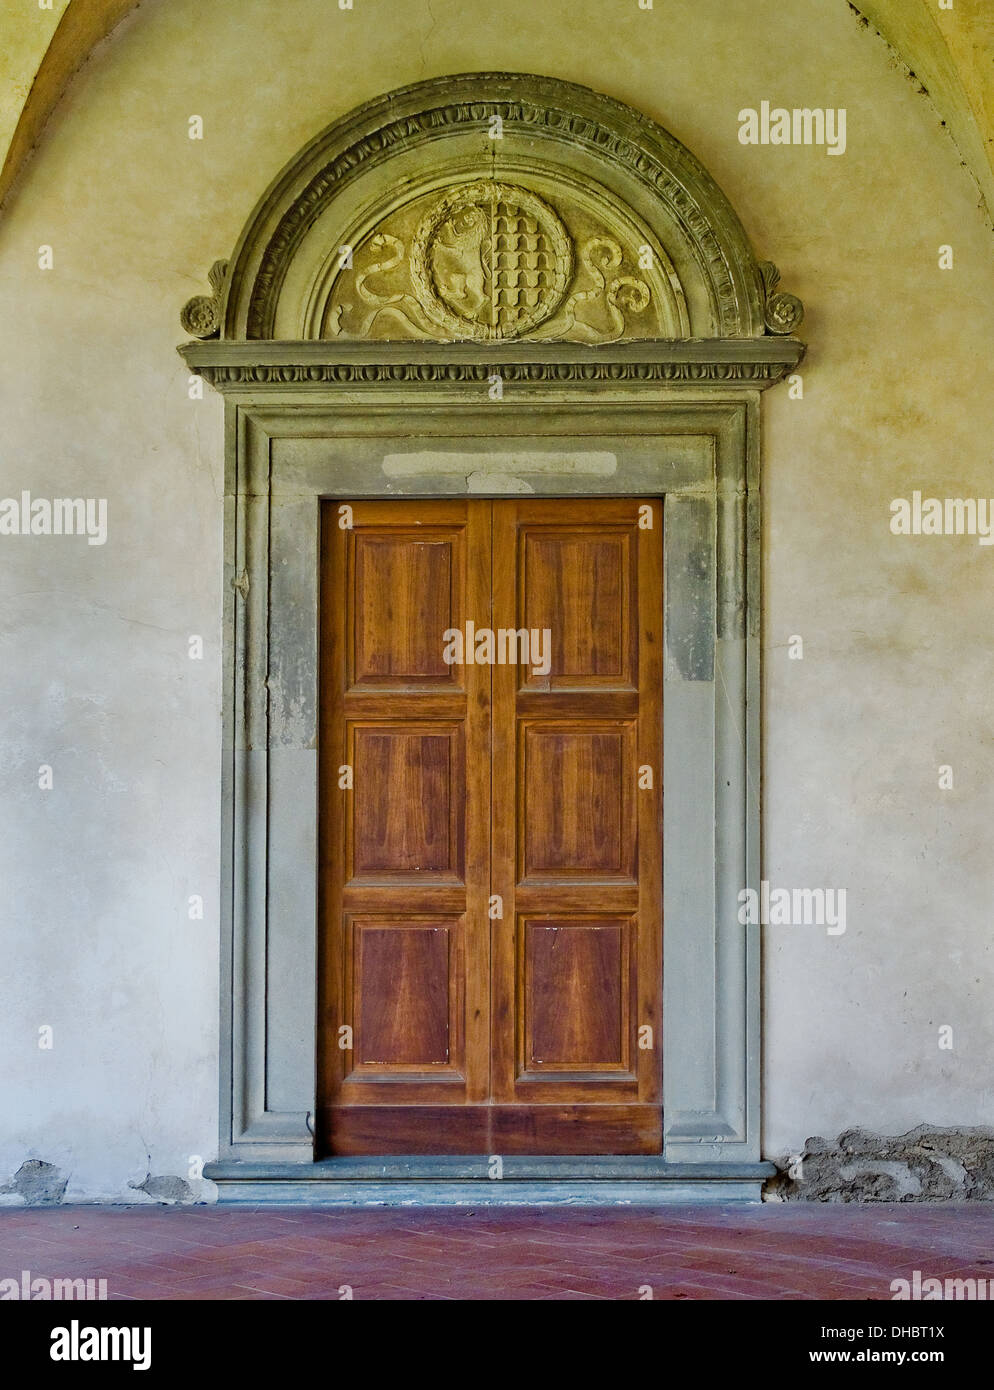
792, 1251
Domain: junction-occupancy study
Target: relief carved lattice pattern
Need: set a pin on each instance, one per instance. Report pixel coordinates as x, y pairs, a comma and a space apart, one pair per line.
491, 261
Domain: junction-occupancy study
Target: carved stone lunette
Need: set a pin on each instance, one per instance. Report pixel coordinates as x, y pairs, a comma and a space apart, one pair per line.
449, 271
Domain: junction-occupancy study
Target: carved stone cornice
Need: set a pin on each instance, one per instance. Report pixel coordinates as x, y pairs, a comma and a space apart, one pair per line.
729, 363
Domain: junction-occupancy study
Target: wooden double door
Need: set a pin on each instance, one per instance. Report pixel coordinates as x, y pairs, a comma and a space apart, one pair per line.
491, 897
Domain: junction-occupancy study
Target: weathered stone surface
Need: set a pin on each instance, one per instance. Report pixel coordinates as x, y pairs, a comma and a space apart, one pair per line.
925, 1165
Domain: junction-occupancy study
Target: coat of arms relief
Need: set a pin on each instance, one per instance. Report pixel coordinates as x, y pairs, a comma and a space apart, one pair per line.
489, 260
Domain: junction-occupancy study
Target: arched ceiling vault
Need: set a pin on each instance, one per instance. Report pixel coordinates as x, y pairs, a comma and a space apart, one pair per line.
948, 54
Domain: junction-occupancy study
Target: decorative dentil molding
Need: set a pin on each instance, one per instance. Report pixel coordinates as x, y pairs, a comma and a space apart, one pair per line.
278, 367
545, 373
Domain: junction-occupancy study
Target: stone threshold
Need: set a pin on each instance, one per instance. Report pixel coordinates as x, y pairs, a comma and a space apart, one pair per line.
466, 1181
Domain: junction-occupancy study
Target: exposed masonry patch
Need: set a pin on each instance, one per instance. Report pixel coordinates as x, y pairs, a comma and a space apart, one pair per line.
165, 1189
37, 1183
925, 1165
499, 472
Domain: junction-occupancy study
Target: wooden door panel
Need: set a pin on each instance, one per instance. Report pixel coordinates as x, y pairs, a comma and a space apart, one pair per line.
577, 994
510, 1130
405, 946
406, 817
576, 801
405, 980
405, 589
577, 823
578, 584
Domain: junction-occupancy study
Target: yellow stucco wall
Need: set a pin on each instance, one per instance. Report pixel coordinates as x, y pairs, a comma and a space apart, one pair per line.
947, 44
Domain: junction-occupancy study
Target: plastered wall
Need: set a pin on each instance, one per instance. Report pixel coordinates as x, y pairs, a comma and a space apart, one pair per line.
96, 678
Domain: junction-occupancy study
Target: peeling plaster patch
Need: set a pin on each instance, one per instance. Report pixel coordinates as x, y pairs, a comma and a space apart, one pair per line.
476, 466
924, 1165
38, 1184
165, 1189
690, 594
953, 1169
906, 1184
496, 482
291, 719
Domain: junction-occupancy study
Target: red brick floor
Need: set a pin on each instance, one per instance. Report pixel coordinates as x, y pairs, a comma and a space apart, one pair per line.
793, 1251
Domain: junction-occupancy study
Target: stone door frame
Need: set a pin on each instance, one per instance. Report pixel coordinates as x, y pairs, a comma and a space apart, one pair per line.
439, 434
